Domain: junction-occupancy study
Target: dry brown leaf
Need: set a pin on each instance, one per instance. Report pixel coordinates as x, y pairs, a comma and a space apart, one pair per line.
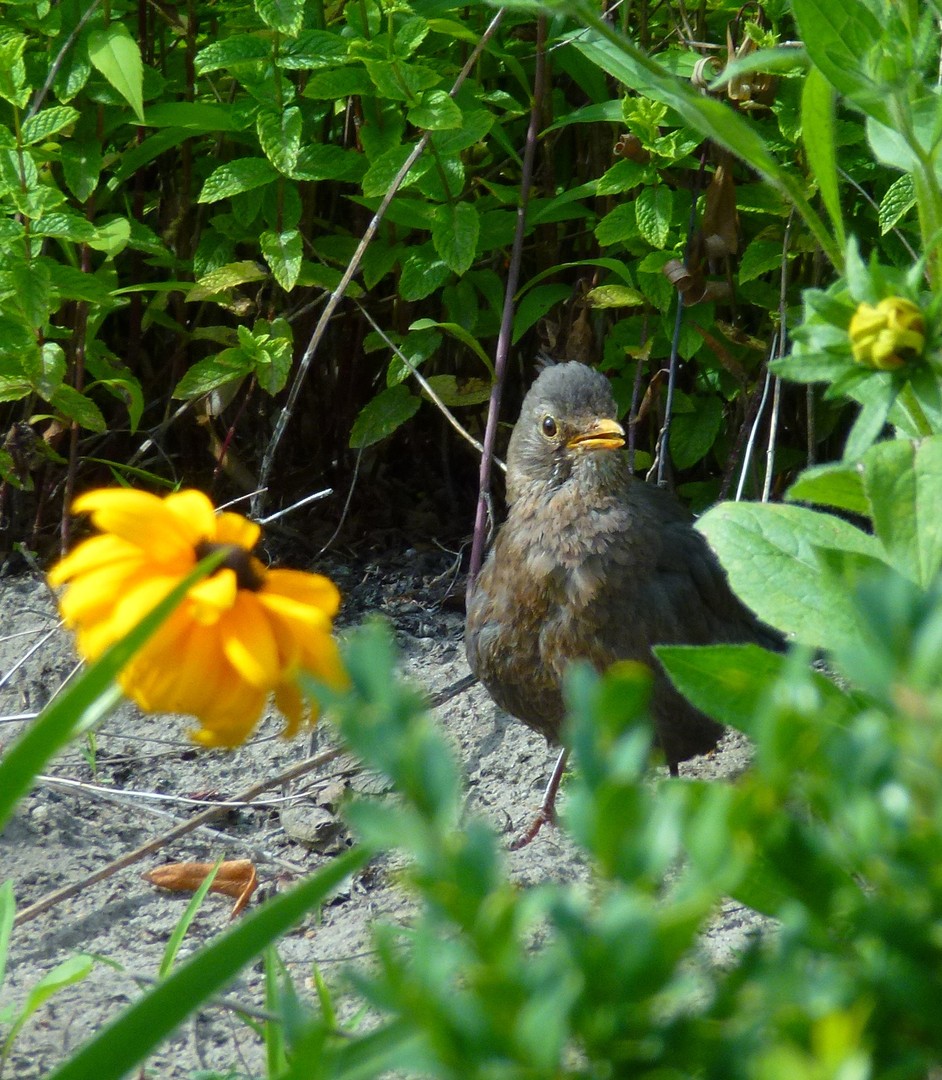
236, 878
720, 218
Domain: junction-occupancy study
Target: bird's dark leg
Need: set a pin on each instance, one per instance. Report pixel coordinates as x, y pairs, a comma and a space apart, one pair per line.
673, 767
547, 812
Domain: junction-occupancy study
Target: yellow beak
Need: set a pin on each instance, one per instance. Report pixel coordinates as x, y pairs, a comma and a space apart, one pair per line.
603, 435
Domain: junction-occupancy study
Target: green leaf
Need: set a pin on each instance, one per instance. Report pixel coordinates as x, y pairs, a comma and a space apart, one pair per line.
693, 433
81, 164
899, 199
618, 225
389, 410
455, 392
838, 37
769, 553
212, 372
284, 15
237, 176
455, 230
817, 132
422, 274
903, 482
66, 226
614, 296
322, 161
283, 252
131, 1038
236, 51
339, 83
382, 172
193, 116
48, 122
68, 973
13, 85
461, 334
759, 258
224, 278
78, 407
183, 923
727, 682
435, 112
399, 81
33, 290
535, 304
279, 134
838, 485
112, 236
653, 209
116, 55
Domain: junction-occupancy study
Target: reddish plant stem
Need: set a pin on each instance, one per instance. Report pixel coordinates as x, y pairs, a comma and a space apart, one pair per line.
507, 317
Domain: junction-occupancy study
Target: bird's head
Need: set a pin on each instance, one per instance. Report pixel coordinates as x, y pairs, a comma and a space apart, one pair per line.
566, 431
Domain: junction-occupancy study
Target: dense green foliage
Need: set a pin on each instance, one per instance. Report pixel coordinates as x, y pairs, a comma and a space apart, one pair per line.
210, 182
181, 188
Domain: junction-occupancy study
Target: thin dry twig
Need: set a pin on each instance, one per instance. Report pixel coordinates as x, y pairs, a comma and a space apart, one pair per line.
426, 386
209, 814
354, 265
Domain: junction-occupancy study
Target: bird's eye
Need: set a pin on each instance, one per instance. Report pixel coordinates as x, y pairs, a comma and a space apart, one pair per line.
549, 427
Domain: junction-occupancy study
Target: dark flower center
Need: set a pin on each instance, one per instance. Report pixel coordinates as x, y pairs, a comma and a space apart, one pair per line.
236, 559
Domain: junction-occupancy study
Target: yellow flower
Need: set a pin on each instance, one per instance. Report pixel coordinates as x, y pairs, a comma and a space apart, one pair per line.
886, 336
241, 634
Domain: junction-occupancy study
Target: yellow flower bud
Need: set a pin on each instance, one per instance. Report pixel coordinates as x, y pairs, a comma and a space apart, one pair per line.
886, 336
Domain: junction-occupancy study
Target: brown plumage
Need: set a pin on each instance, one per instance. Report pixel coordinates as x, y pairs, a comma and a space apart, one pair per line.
593, 563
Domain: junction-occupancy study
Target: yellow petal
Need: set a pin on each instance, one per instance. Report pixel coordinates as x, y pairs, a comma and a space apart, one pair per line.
235, 529
182, 669
299, 618
90, 555
141, 519
320, 656
291, 706
139, 600
234, 718
193, 515
250, 644
213, 596
94, 596
314, 590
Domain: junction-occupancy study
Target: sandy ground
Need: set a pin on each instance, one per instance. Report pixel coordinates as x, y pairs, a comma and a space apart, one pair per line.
143, 776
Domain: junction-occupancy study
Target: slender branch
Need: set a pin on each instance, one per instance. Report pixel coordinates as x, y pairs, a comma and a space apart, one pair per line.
507, 317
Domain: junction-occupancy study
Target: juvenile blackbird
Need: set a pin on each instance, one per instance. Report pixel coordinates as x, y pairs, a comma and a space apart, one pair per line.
593, 564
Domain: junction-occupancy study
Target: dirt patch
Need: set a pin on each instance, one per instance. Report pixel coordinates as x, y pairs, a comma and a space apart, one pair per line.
141, 776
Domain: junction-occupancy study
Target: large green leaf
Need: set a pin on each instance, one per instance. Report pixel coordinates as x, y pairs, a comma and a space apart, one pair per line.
903, 482
839, 485
838, 36
117, 56
769, 553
